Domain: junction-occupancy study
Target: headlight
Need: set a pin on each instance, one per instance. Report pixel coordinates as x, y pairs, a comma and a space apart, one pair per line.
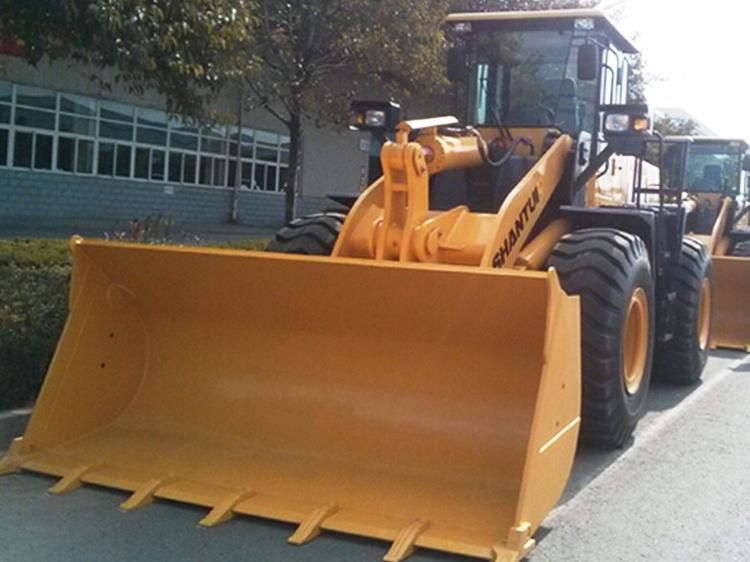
375, 118
641, 124
623, 123
616, 123
627, 128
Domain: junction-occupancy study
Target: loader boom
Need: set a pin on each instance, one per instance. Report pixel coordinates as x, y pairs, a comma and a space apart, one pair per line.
392, 220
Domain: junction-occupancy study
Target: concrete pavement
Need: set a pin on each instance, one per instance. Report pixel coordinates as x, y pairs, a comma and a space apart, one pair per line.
679, 492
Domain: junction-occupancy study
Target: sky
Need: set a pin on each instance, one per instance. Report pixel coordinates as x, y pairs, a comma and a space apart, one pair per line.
695, 53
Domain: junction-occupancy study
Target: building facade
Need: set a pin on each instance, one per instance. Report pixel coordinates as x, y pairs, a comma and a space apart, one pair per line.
75, 156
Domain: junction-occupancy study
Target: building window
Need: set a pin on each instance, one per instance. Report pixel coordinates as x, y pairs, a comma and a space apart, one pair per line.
71, 134
23, 149
32, 150
122, 167
36, 97
3, 147
106, 158
149, 163
66, 154
85, 157
75, 155
43, 152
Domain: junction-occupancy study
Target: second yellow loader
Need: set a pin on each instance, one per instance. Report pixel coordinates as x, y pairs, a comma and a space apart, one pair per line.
715, 177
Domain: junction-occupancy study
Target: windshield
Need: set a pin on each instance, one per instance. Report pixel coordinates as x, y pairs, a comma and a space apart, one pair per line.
713, 168
529, 78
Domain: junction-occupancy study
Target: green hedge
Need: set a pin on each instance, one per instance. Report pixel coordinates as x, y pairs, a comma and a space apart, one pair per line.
255, 245
27, 253
34, 280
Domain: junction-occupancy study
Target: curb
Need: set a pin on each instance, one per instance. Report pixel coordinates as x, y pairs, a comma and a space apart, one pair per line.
12, 425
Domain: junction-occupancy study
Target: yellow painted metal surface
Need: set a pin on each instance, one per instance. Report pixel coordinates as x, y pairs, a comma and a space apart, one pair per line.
427, 405
731, 302
536, 253
721, 225
392, 219
730, 297
635, 342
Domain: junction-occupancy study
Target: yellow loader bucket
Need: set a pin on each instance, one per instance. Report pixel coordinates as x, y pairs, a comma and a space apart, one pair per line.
430, 406
731, 325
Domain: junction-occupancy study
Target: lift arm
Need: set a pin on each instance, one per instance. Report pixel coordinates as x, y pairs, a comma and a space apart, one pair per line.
392, 220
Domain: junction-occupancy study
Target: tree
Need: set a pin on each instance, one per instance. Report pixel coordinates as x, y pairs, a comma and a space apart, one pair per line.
301, 60
670, 126
186, 50
316, 55
637, 80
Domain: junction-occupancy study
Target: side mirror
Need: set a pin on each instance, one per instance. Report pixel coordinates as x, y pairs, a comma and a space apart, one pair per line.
746, 162
456, 64
375, 116
588, 62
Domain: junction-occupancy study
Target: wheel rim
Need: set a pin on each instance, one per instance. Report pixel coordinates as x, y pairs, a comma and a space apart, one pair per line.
635, 341
704, 314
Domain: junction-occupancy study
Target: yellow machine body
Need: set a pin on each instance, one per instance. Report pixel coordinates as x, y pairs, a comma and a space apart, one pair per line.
731, 327
421, 386
721, 217
731, 279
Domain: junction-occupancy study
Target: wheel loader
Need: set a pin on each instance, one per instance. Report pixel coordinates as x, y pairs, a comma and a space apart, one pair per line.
421, 373
715, 178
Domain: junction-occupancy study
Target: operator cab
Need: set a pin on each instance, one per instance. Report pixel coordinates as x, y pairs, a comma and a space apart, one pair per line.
715, 165
532, 76
550, 68
715, 168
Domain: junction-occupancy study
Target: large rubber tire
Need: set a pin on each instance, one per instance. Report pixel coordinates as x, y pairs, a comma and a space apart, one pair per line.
742, 249
312, 235
681, 359
610, 270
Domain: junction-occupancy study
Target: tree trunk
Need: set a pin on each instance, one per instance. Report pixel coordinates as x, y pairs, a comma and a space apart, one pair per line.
234, 215
293, 174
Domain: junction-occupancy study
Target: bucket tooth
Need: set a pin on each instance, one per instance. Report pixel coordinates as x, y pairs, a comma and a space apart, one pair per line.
404, 545
519, 544
310, 526
72, 480
519, 536
144, 495
224, 510
500, 554
9, 464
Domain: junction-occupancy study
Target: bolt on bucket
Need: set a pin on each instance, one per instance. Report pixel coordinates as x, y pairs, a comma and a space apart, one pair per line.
731, 321
428, 406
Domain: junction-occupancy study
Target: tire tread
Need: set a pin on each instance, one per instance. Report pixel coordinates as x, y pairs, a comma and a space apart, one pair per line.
313, 235
595, 264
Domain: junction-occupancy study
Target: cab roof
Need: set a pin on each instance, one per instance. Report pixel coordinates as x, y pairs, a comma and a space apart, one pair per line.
532, 19
706, 140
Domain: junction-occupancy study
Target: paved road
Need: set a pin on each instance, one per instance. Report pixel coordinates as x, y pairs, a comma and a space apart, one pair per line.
679, 492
